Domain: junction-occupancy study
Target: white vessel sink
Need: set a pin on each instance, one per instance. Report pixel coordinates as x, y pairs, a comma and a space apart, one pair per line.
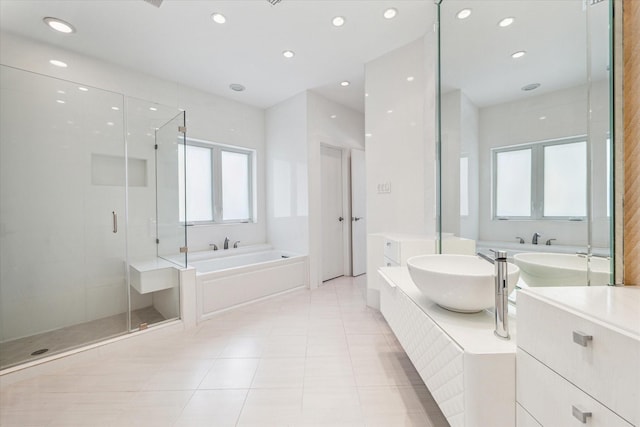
551, 269
462, 283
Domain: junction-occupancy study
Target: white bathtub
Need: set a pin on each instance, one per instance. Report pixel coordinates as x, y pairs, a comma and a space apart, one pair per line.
228, 278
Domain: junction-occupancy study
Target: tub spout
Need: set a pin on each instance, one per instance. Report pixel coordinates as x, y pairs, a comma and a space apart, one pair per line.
501, 312
534, 238
235, 245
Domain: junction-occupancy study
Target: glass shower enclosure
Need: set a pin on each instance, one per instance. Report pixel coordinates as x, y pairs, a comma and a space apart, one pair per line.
77, 203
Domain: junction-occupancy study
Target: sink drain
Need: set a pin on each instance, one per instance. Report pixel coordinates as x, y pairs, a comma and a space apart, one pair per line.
39, 352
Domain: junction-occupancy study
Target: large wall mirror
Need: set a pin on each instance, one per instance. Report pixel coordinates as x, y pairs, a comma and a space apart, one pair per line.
525, 134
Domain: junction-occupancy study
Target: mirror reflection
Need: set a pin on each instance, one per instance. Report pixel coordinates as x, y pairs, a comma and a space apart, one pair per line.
525, 134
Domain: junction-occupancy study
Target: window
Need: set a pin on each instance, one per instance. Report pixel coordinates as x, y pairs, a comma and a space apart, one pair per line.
219, 183
543, 180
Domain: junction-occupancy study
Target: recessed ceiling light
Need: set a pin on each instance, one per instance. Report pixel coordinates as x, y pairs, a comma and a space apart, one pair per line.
518, 54
218, 18
59, 101
153, 109
110, 123
288, 54
61, 92
83, 89
389, 111
338, 21
58, 63
237, 87
531, 86
345, 83
506, 22
390, 13
410, 78
464, 14
368, 135
115, 108
59, 25
542, 117
333, 116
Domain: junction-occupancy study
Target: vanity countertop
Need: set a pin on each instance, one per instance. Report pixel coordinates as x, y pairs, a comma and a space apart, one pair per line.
473, 332
617, 306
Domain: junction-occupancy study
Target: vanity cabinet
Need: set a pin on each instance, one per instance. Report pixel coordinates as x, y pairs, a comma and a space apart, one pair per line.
398, 249
469, 371
578, 358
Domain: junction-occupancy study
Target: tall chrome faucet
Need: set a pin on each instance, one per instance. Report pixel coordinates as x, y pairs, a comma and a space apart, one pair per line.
501, 312
534, 239
226, 243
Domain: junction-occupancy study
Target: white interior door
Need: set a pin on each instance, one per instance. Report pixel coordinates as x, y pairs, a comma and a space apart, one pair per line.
332, 214
358, 209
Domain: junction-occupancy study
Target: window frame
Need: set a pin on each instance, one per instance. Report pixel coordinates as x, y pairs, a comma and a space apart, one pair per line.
537, 178
216, 150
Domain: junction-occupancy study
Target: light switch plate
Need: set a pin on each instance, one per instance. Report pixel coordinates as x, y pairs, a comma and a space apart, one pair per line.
384, 187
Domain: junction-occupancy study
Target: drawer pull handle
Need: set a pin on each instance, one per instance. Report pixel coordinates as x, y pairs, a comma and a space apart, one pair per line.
580, 415
581, 338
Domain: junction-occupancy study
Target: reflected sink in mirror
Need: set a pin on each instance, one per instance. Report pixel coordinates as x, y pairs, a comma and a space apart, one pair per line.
461, 283
553, 269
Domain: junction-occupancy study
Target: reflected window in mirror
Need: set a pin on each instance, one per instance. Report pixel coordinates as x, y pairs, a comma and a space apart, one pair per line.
544, 180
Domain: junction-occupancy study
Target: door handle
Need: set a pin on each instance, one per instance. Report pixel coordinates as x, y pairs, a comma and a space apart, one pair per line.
115, 221
356, 218
340, 219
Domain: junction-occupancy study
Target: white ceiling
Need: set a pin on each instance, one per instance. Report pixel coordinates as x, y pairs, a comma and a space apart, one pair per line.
476, 52
180, 42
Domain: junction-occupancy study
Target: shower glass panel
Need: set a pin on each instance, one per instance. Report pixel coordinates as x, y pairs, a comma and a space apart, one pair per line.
62, 197
539, 83
171, 232
143, 119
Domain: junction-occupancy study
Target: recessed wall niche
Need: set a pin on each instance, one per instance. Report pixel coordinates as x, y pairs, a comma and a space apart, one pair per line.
107, 170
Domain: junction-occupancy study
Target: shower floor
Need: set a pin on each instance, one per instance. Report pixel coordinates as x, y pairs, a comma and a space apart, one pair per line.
19, 350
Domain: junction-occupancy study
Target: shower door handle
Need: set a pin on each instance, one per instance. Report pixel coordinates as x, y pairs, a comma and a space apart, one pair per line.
115, 221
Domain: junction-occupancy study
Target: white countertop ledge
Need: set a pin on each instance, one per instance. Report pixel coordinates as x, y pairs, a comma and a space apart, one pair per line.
613, 306
472, 332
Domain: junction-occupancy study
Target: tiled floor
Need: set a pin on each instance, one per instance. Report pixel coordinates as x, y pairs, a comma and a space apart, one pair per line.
308, 358
19, 351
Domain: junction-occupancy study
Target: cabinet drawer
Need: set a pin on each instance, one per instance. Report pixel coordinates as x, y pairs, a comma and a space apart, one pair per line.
524, 419
388, 262
392, 250
552, 400
606, 366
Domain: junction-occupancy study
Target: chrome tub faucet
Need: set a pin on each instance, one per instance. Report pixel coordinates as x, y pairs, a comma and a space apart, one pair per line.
534, 239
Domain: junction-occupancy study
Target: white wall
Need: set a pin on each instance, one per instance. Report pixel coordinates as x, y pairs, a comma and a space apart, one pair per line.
209, 117
400, 149
459, 138
295, 129
94, 291
287, 175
